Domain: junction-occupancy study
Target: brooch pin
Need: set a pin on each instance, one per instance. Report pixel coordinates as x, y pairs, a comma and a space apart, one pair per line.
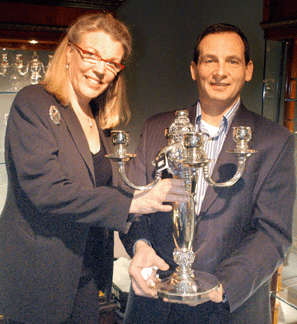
55, 115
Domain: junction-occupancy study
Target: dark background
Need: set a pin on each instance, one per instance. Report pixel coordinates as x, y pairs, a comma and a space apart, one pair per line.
164, 33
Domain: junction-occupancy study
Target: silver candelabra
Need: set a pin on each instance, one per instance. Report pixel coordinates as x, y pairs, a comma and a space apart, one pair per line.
182, 157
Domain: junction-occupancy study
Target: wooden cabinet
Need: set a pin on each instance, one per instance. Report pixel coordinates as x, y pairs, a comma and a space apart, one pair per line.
44, 21
280, 76
279, 19
280, 25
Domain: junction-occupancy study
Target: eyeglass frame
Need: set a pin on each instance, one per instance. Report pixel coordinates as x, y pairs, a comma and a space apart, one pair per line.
97, 57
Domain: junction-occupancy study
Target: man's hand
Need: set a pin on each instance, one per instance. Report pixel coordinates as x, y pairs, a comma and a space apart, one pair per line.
151, 201
145, 257
216, 296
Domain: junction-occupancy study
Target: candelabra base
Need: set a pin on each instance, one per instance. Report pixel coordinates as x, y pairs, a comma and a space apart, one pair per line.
190, 287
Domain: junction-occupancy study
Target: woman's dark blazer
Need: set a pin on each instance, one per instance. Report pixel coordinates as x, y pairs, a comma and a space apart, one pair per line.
242, 231
51, 203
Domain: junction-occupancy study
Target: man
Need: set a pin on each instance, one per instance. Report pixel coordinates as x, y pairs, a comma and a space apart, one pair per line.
243, 231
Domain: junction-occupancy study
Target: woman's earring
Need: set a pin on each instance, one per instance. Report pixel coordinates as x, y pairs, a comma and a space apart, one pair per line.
67, 65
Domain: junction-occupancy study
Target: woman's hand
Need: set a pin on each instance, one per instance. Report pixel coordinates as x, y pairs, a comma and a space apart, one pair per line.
151, 201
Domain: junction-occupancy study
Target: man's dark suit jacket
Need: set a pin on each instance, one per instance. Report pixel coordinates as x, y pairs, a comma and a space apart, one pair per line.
243, 231
51, 204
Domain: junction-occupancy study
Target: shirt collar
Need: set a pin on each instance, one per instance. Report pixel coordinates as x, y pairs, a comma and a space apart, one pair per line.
225, 121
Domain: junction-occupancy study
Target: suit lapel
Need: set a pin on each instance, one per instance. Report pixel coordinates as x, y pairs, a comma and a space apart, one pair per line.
78, 137
242, 118
105, 136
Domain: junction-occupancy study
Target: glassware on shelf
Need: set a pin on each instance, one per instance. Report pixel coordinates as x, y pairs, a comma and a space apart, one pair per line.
36, 68
19, 64
19, 68
4, 65
49, 61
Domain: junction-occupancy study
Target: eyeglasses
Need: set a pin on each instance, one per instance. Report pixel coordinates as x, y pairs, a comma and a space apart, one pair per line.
93, 58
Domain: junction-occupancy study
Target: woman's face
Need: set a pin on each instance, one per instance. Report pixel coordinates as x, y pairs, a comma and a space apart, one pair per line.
89, 80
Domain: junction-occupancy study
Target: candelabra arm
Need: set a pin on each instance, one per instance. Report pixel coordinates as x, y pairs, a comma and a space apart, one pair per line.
231, 182
130, 184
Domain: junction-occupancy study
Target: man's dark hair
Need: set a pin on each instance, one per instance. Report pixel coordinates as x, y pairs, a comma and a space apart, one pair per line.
222, 28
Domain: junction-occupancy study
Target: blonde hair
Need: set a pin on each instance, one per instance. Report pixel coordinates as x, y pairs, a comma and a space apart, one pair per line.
113, 106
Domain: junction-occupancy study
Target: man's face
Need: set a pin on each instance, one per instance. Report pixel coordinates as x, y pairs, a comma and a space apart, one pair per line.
221, 70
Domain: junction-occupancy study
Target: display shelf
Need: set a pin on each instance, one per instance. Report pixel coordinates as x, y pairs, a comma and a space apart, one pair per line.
22, 67
279, 97
287, 297
18, 68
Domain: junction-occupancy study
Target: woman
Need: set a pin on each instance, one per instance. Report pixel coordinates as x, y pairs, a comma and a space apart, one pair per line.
63, 194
